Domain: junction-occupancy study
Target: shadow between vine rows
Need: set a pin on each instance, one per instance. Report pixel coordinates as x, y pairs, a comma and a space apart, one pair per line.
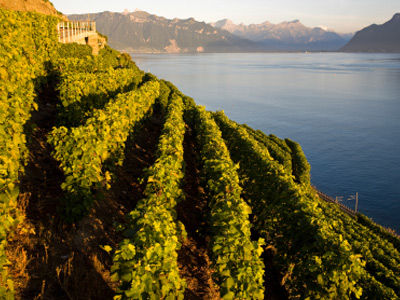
54, 260
193, 259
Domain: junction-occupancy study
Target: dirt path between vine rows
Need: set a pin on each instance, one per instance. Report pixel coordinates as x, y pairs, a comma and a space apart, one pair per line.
194, 261
194, 257
52, 259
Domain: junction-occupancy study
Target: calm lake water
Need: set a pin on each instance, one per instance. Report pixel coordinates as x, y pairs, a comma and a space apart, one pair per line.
343, 109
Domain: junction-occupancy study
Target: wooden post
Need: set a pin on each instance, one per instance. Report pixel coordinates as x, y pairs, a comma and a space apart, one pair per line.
356, 201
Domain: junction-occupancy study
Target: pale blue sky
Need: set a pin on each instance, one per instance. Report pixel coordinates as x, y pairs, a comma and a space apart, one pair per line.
343, 16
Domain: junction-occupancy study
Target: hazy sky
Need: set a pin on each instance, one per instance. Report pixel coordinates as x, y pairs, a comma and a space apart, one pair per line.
343, 16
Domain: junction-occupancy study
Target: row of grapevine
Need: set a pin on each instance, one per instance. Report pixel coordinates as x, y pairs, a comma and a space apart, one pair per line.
102, 100
76, 58
379, 230
287, 152
382, 277
162, 100
78, 52
301, 167
238, 268
83, 150
27, 41
73, 65
115, 59
145, 263
80, 93
315, 261
277, 148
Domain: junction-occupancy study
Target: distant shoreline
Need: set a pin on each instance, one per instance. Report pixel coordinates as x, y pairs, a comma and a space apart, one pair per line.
133, 51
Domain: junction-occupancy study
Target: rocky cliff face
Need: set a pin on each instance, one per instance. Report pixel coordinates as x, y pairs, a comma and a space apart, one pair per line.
377, 38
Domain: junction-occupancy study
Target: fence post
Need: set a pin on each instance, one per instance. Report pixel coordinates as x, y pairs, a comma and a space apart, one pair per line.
356, 201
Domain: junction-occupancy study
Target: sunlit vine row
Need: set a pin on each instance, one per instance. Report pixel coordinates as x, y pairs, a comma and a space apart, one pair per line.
27, 41
145, 263
239, 270
314, 261
287, 152
382, 277
84, 150
81, 93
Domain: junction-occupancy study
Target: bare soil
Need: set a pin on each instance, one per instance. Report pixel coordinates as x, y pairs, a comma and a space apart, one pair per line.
52, 259
194, 260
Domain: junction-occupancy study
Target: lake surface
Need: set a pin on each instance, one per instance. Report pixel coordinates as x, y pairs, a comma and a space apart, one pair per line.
343, 109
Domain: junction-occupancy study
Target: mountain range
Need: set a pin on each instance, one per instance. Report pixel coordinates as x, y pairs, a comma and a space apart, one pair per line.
286, 36
377, 38
142, 32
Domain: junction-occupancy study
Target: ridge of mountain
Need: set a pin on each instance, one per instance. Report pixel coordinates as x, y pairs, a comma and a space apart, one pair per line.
286, 36
142, 32
377, 38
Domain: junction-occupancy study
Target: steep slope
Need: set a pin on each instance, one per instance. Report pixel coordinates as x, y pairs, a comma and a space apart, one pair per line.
140, 31
377, 38
176, 152
286, 36
42, 6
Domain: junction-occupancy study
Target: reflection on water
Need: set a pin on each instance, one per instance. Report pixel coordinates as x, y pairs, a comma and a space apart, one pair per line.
342, 108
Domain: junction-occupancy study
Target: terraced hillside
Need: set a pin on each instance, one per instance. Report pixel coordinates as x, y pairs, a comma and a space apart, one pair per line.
115, 185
